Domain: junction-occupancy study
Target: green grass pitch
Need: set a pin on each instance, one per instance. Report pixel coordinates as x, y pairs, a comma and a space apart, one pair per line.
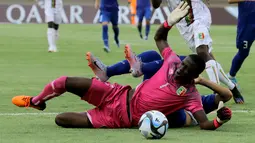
26, 67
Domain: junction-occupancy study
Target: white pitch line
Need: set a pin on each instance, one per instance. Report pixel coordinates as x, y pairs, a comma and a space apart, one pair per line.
55, 113
22, 114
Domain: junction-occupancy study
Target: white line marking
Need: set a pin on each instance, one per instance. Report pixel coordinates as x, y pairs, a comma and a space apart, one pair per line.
23, 114
55, 113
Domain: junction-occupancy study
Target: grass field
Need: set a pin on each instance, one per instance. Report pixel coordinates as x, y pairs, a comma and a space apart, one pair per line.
26, 67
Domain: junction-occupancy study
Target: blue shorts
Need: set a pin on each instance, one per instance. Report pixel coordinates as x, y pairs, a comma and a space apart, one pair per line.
143, 12
109, 16
245, 30
178, 118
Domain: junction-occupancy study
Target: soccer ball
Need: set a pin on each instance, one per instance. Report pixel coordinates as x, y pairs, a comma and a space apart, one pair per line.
153, 125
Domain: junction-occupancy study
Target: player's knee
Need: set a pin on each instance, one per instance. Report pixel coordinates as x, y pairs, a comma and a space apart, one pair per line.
227, 96
203, 52
148, 22
61, 120
56, 26
105, 23
51, 24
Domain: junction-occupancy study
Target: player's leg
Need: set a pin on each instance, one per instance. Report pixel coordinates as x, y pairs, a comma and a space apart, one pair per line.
73, 120
203, 43
104, 19
244, 39
57, 21
180, 118
214, 70
104, 72
148, 24
140, 14
76, 85
115, 28
49, 14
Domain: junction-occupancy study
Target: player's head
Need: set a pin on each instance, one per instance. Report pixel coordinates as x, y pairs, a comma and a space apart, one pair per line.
191, 67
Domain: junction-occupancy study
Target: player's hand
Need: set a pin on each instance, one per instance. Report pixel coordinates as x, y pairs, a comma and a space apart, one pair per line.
178, 13
224, 114
198, 80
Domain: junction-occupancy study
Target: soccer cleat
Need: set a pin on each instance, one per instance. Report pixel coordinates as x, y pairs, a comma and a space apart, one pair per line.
26, 101
238, 98
52, 49
234, 80
107, 49
97, 66
146, 38
134, 62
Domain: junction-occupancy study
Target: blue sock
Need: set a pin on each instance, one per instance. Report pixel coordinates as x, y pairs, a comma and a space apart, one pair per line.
105, 35
147, 29
238, 60
181, 57
149, 69
123, 67
119, 68
116, 33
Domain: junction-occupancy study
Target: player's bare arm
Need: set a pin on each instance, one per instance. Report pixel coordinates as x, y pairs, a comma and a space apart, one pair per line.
234, 1
223, 94
156, 3
162, 32
223, 115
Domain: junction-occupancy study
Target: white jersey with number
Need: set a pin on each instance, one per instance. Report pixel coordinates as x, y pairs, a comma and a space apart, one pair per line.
196, 33
52, 10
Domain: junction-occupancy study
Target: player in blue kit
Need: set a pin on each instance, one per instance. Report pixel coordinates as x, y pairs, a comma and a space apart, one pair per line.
109, 13
147, 64
143, 9
245, 34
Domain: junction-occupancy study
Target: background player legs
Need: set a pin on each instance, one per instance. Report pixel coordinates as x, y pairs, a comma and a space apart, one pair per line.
140, 15
52, 36
148, 24
105, 36
115, 28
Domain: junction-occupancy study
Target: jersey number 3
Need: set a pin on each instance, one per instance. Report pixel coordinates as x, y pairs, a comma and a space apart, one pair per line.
245, 44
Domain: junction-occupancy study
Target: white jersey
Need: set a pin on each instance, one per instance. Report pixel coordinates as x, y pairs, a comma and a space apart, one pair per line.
52, 10
194, 28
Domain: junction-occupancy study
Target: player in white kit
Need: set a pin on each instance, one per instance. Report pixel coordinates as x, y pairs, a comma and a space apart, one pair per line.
195, 29
52, 10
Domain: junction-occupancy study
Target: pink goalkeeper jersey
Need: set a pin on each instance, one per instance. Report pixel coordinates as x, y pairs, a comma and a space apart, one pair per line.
162, 93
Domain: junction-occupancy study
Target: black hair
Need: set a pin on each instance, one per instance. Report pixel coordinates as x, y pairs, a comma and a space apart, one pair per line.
200, 63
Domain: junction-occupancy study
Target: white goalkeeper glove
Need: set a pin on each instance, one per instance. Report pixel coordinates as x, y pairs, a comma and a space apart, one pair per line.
178, 13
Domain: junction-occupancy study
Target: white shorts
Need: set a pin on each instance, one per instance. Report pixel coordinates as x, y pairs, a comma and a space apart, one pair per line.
53, 10
198, 33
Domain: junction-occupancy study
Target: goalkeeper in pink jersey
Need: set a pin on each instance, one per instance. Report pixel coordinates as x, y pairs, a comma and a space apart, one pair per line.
147, 64
117, 106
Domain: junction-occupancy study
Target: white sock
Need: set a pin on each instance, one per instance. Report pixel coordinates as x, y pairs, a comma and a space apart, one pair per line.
224, 78
56, 34
51, 38
212, 71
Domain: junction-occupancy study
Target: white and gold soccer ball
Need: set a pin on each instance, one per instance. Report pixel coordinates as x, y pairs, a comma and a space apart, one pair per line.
153, 125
